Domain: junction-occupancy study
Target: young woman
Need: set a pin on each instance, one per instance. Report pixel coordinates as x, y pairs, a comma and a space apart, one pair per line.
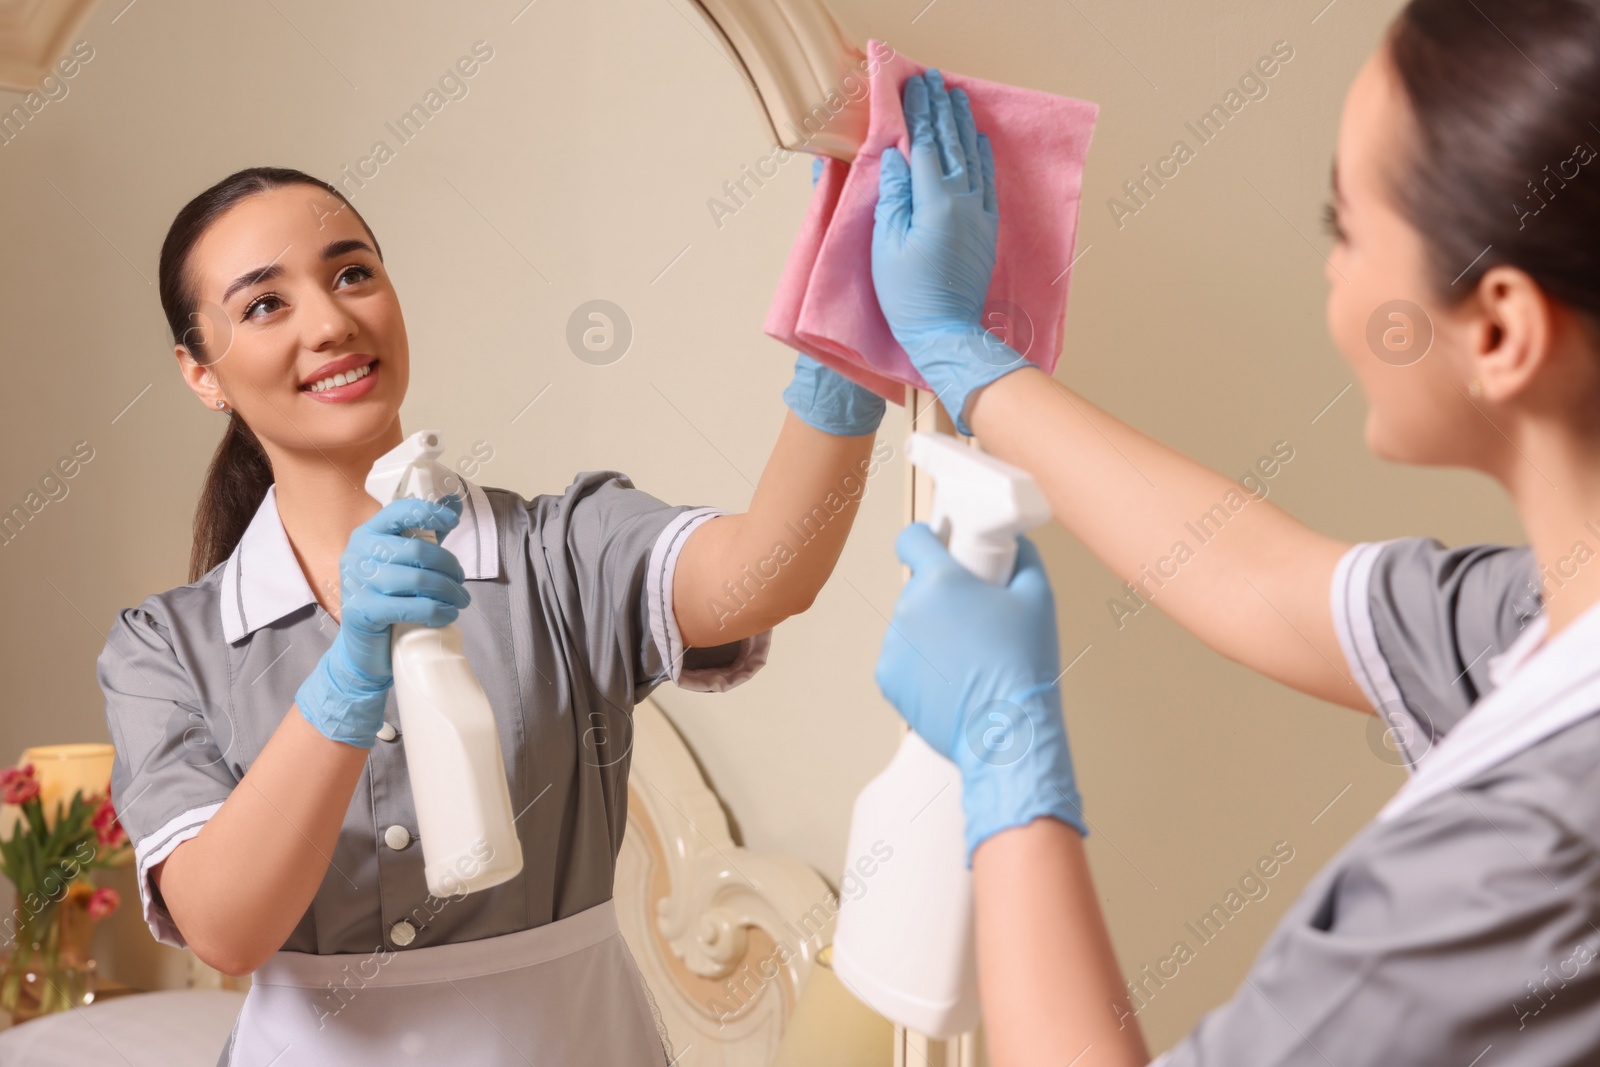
1462, 926
259, 769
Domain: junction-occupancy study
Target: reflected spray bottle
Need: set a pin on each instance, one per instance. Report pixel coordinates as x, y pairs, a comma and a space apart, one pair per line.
452, 745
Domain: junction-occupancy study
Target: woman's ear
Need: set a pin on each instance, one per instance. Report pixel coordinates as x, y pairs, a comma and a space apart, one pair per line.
201, 380
1510, 341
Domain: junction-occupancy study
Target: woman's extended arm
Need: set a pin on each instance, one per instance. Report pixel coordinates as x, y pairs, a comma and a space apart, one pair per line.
238, 887
1050, 985
741, 574
1256, 590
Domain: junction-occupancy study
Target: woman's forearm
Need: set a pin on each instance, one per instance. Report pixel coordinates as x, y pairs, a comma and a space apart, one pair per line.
237, 888
741, 574
1232, 568
1051, 988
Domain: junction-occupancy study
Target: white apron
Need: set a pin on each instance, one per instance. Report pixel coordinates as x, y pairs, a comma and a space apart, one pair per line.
568, 992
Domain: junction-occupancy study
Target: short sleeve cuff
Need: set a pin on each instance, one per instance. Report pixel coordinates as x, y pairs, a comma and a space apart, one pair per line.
1350, 599
151, 850
751, 655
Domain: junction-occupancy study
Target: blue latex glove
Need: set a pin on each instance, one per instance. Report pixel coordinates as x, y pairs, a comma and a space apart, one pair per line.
974, 668
384, 578
827, 399
933, 245
831, 402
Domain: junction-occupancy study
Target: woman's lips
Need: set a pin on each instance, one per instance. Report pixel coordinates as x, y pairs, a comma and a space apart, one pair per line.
343, 393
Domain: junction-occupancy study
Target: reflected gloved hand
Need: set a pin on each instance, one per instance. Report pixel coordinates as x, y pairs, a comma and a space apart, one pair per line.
385, 577
827, 399
933, 245
974, 668
831, 402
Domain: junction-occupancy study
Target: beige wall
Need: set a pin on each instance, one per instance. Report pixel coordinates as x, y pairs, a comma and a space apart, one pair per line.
587, 149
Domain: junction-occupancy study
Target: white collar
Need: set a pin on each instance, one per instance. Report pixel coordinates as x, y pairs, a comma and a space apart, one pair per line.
1541, 688
1507, 663
263, 582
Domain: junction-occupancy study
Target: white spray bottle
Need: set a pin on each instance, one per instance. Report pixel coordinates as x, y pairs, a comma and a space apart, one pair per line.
904, 945
458, 778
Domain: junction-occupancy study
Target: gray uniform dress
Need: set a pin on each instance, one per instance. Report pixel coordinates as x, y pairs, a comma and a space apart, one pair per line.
570, 625
1460, 927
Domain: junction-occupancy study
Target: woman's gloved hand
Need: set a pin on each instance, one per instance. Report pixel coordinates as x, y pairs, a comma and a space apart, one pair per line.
831, 402
933, 245
974, 668
385, 577
826, 399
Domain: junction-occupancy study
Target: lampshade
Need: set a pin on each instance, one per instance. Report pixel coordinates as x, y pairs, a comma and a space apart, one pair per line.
62, 769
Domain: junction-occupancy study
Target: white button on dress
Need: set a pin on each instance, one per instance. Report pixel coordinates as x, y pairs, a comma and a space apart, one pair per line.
397, 837
402, 933
387, 732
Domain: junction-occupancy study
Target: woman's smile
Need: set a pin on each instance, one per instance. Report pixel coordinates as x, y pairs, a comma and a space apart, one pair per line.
347, 378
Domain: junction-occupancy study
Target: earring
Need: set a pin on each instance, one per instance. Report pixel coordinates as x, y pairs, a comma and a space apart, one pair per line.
1475, 387
223, 404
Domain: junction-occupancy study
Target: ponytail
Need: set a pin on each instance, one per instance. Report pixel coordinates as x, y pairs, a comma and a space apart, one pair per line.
236, 484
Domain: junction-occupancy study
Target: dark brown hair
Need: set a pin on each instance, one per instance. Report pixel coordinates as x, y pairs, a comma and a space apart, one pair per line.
1500, 167
240, 472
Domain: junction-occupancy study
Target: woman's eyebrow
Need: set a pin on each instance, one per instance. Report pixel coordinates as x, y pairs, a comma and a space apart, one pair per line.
331, 250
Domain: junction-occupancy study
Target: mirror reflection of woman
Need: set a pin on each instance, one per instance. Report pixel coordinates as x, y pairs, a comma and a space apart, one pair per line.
260, 772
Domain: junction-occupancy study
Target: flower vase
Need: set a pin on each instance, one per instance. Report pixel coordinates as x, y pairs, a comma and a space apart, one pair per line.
50, 968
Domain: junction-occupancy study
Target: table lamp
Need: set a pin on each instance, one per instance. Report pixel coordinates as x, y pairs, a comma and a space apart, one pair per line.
62, 769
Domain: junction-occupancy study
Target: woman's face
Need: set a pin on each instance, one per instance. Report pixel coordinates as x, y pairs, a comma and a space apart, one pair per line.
276, 339
1411, 355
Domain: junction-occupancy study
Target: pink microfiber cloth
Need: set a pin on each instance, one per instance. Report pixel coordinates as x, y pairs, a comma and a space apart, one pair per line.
826, 306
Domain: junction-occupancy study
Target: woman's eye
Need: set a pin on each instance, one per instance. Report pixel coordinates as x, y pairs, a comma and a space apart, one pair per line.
260, 301
361, 273
1330, 221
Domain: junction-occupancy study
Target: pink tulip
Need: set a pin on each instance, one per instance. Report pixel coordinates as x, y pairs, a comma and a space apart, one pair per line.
103, 902
18, 785
106, 827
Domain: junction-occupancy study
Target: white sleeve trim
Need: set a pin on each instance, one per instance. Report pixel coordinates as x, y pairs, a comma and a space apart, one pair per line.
1350, 600
151, 850
663, 565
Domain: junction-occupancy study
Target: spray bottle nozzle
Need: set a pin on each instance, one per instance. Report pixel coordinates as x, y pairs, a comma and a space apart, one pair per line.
412, 470
981, 504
